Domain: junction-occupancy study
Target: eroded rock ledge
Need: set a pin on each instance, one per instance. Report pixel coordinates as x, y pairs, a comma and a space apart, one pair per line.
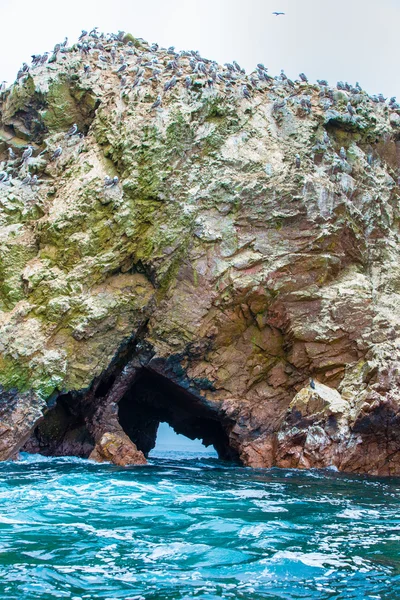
211, 283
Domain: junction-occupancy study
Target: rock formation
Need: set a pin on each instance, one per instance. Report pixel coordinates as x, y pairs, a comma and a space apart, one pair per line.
250, 243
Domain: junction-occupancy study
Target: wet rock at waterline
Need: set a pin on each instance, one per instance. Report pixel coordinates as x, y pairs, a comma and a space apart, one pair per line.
196, 260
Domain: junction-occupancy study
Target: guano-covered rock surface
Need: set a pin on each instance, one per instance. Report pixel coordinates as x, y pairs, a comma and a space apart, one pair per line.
197, 248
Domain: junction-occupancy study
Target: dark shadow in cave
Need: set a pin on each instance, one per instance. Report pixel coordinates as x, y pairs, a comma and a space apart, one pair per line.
153, 399
62, 431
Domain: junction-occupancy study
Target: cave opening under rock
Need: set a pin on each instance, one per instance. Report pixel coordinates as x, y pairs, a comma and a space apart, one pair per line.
62, 431
154, 399
67, 429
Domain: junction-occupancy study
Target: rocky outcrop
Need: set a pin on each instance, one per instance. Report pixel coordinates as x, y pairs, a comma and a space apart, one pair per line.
117, 448
251, 242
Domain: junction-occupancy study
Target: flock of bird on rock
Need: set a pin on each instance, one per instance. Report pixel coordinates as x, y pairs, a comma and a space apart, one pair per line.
141, 65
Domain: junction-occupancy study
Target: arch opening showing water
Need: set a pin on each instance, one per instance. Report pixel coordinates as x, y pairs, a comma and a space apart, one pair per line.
155, 399
189, 422
168, 441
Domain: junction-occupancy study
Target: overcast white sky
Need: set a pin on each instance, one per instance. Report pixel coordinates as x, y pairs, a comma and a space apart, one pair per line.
350, 40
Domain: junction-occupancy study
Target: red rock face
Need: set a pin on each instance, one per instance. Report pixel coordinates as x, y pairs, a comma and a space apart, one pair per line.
212, 280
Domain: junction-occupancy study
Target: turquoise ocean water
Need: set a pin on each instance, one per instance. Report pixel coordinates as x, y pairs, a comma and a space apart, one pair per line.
189, 527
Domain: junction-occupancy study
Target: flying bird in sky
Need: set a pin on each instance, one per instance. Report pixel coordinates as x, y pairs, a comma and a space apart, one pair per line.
278, 13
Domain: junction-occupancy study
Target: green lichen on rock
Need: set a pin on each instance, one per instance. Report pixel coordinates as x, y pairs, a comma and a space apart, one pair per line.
62, 108
19, 98
13, 375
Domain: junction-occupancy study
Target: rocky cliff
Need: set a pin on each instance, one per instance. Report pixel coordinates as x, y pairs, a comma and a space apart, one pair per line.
197, 248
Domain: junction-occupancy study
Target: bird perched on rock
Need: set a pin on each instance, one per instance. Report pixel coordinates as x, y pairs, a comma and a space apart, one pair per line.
57, 153
156, 73
326, 105
113, 53
34, 181
201, 67
11, 154
27, 153
72, 131
312, 384
122, 68
170, 84
44, 58
103, 58
137, 82
108, 182
171, 65
350, 109
342, 153
246, 92
20, 74
278, 105
26, 180
298, 161
370, 159
65, 43
322, 82
3, 176
188, 82
157, 103
83, 34
87, 69
303, 77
